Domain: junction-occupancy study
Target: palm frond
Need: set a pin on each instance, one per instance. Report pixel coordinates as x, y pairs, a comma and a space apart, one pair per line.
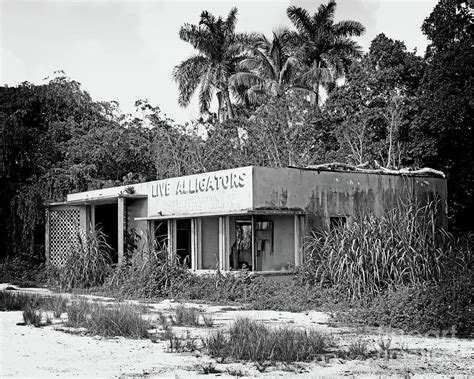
188, 75
246, 79
300, 19
231, 20
206, 92
349, 28
325, 14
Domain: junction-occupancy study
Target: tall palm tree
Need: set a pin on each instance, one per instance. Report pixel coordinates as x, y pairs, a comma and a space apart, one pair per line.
219, 51
327, 47
268, 70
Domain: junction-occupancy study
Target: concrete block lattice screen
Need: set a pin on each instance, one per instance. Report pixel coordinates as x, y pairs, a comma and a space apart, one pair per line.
63, 224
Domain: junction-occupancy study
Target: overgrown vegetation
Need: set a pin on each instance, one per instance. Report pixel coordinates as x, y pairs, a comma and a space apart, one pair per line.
108, 320
400, 248
88, 262
254, 341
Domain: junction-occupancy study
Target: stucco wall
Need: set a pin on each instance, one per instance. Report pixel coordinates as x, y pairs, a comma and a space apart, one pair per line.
324, 194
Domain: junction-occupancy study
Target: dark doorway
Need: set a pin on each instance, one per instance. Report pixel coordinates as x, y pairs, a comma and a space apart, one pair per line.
241, 252
161, 234
106, 219
183, 241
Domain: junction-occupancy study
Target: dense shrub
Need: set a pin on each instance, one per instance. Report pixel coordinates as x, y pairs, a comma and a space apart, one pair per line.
254, 341
254, 292
429, 308
23, 271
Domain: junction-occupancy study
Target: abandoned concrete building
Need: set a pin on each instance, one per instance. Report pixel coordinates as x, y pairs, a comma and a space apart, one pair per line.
254, 218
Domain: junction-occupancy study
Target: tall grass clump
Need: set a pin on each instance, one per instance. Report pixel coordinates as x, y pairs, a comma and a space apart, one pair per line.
88, 262
254, 341
371, 254
108, 320
14, 301
150, 272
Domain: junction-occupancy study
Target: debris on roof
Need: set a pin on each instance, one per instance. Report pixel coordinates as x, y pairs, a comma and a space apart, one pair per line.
338, 166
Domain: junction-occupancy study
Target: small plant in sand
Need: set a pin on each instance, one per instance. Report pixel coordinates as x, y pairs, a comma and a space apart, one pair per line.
181, 345
31, 314
358, 350
254, 341
208, 320
384, 347
57, 304
209, 368
186, 316
108, 320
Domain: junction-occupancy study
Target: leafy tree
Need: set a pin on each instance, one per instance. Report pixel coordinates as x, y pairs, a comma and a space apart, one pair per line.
220, 49
56, 140
444, 126
326, 47
373, 110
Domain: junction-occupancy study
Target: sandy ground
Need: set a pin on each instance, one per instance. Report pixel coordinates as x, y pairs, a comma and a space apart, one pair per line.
26, 351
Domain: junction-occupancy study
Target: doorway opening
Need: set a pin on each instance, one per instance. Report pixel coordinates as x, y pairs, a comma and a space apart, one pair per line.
183, 241
241, 252
106, 220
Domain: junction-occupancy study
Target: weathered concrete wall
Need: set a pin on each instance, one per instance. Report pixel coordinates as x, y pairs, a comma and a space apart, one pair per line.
326, 194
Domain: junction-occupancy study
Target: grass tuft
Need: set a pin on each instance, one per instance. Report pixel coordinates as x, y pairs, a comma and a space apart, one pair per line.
108, 321
254, 341
31, 315
186, 316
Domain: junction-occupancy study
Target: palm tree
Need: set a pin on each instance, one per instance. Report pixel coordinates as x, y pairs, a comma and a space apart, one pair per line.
268, 70
219, 51
326, 46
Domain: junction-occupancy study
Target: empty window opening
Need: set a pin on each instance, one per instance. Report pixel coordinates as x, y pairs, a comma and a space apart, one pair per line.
161, 235
183, 241
106, 220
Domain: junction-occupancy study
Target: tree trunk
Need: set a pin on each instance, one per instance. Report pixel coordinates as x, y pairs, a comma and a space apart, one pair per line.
229, 106
220, 116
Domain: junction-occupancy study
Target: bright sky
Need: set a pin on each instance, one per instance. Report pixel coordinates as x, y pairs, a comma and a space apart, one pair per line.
126, 50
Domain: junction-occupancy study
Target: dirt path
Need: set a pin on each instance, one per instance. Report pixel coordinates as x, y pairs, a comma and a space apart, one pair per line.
26, 351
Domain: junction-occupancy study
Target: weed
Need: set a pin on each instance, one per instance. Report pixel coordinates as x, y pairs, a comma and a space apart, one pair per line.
57, 304
88, 261
186, 316
358, 350
208, 369
109, 321
14, 301
208, 320
384, 346
78, 313
253, 341
236, 372
31, 315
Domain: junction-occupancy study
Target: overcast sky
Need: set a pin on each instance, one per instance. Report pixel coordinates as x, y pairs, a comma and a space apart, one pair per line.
126, 50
